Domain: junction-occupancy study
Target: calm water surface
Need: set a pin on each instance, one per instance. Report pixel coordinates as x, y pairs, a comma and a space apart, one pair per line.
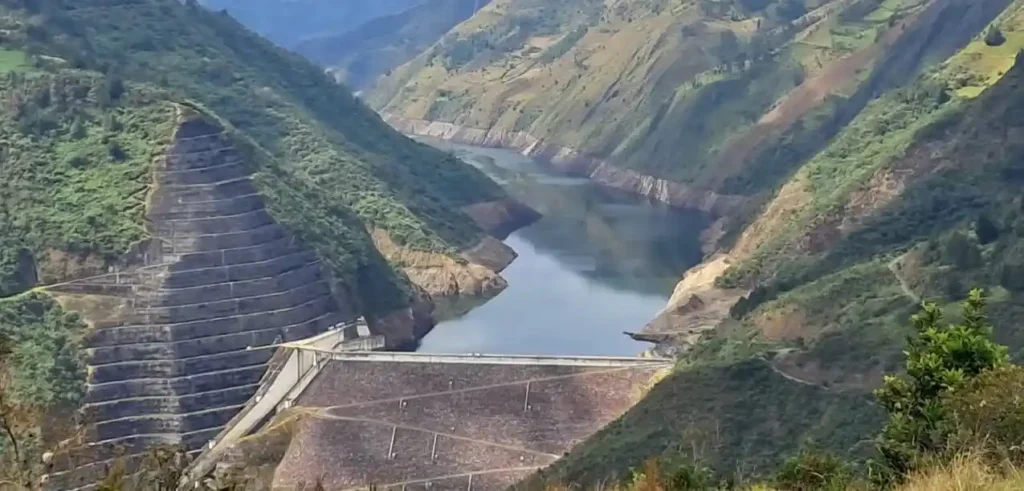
598, 263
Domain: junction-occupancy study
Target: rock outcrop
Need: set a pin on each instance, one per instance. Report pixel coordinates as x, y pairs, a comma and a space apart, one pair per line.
696, 306
501, 218
441, 275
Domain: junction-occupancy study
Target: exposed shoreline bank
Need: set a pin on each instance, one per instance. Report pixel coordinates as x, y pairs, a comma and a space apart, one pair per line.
570, 161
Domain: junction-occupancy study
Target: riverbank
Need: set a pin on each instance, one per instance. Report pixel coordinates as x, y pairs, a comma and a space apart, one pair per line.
571, 161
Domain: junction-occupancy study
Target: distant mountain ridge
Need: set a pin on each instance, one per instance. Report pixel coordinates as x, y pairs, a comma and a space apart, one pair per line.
360, 55
289, 22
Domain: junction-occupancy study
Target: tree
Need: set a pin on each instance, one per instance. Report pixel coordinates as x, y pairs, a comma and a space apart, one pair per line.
961, 252
989, 414
940, 358
986, 230
115, 86
994, 37
78, 130
17, 426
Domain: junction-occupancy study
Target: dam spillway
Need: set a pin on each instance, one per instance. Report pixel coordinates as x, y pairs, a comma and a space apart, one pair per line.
179, 342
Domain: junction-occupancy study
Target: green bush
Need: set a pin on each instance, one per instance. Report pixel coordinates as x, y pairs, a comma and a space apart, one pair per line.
813, 471
73, 184
1011, 276
994, 37
988, 412
940, 358
985, 229
961, 252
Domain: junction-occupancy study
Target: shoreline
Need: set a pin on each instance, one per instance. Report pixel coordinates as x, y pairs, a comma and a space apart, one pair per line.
571, 162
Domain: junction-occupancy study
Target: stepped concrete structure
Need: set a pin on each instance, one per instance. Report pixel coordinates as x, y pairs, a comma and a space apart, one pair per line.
424, 421
180, 340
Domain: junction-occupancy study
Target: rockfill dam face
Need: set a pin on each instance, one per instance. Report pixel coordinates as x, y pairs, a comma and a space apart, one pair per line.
422, 421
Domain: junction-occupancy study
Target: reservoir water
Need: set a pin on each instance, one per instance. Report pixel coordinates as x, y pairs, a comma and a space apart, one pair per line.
598, 263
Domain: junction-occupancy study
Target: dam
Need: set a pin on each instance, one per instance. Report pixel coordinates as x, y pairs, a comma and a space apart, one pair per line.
425, 421
225, 324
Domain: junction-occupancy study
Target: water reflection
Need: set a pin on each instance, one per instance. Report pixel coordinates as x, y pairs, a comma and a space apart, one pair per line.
598, 263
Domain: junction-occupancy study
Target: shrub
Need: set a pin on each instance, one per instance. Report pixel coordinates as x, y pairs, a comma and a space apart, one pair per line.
659, 476
986, 230
688, 477
1011, 275
989, 414
813, 471
994, 37
940, 358
116, 151
961, 252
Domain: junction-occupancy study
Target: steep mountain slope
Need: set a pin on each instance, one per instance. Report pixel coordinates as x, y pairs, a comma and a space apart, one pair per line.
361, 54
621, 90
916, 197
289, 22
179, 196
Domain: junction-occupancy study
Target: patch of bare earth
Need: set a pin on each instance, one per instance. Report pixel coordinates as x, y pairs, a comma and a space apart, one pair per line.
440, 275
56, 266
792, 198
785, 324
697, 305
890, 182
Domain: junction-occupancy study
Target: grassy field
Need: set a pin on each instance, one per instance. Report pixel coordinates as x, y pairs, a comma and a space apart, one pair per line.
979, 65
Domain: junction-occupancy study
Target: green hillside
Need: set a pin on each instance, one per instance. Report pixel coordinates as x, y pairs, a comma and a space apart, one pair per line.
729, 81
327, 145
91, 91
917, 197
